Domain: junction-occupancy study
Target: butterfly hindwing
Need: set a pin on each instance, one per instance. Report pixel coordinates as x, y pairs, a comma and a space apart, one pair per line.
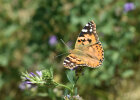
94, 55
72, 61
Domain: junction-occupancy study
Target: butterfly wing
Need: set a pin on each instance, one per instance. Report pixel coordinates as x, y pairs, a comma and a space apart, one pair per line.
73, 61
91, 56
94, 55
87, 36
88, 50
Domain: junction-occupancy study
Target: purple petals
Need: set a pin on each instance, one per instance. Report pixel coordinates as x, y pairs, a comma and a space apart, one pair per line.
52, 40
129, 6
39, 73
28, 82
24, 86
27, 78
32, 74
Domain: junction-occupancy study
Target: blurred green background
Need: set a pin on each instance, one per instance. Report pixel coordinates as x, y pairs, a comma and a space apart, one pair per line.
30, 33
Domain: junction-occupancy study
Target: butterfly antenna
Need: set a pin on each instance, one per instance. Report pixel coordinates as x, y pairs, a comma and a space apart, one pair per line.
61, 54
65, 44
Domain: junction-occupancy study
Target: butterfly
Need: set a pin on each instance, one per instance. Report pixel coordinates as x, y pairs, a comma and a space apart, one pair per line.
88, 50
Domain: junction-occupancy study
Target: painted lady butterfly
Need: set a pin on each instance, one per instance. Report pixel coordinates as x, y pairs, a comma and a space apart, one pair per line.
88, 49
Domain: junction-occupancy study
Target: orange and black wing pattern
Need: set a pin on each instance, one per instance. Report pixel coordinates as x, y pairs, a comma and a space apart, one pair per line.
87, 36
72, 61
88, 49
94, 55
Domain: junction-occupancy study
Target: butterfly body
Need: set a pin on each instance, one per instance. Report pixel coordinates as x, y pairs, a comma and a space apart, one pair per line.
88, 49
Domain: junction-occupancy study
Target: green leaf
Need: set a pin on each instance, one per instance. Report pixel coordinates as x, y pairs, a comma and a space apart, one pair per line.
70, 76
127, 73
66, 92
75, 91
1, 81
42, 94
4, 60
10, 30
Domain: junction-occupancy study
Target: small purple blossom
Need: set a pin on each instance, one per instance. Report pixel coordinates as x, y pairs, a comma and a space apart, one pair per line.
32, 74
28, 82
129, 6
24, 86
27, 78
32, 78
68, 96
52, 40
39, 73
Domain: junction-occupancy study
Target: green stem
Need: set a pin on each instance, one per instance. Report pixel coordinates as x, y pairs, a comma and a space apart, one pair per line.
59, 84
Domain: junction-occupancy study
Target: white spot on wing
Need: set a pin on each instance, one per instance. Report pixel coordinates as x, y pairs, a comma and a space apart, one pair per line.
87, 25
70, 57
84, 30
67, 61
71, 64
90, 30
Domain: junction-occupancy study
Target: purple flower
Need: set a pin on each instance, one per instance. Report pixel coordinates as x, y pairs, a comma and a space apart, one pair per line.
39, 73
32, 78
129, 6
32, 74
52, 40
28, 82
27, 78
24, 86
68, 96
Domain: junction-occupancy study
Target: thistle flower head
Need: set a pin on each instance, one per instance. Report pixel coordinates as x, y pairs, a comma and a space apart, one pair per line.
32, 78
39, 78
48, 74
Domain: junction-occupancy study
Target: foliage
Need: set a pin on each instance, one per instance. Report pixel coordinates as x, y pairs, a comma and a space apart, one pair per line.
30, 33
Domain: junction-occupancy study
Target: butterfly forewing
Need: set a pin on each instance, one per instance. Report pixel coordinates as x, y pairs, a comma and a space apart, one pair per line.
88, 35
